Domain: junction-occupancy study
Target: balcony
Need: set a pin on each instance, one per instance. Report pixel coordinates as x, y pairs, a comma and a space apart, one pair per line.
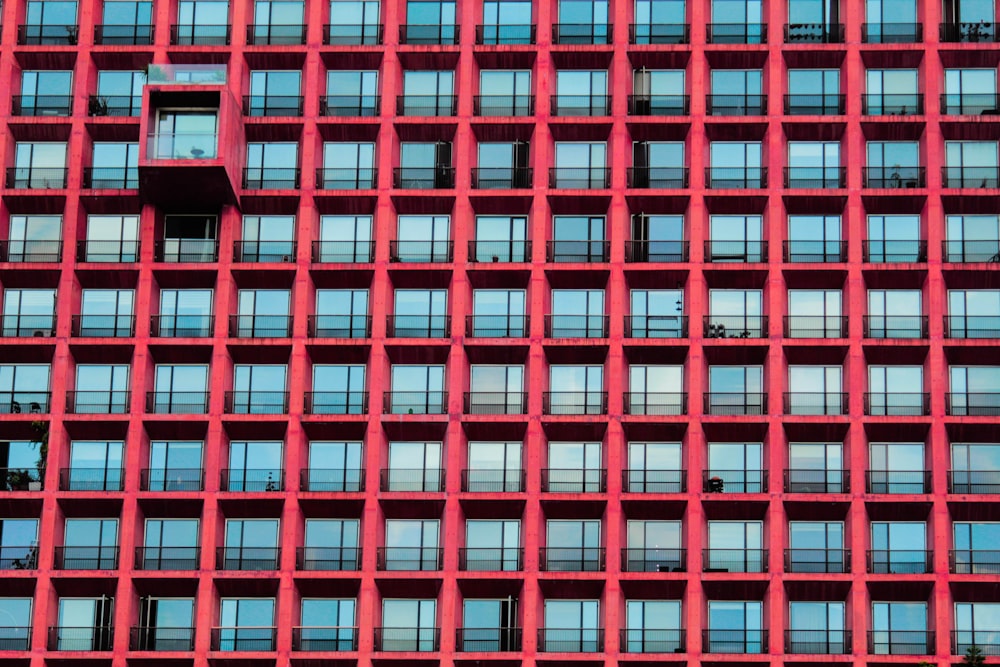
422, 480
571, 640
896, 326
260, 326
571, 559
659, 559
815, 177
109, 252
422, 640
742, 178
428, 35
659, 33
974, 561
332, 480
98, 402
894, 252
415, 403
350, 106
36, 178
901, 642
423, 178
972, 326
894, 178
101, 326
272, 105
970, 177
18, 479
812, 480
85, 558
815, 403
247, 558
736, 33
502, 178
177, 402
734, 641
658, 177
332, 638
973, 404
503, 105
185, 250
735, 326
88, 638
27, 402
496, 326
491, 559
189, 34
892, 104
328, 559
340, 326
641, 480
487, 640
248, 480
181, 326
815, 326
814, 33
348, 178
418, 326
582, 33
971, 33
271, 178
899, 561
266, 34
735, 403
814, 561
15, 637
152, 638
417, 559
898, 481
28, 251
123, 34
803, 104
580, 105
495, 402
505, 35
655, 403
118, 106
579, 178
264, 252
736, 105
818, 642
48, 34
111, 178
734, 560
42, 105
499, 480
368, 34
659, 105
91, 479
343, 252
171, 479
986, 641
34, 326
167, 558
575, 403
256, 402
243, 639
892, 33
576, 326
421, 252
974, 482
734, 481
817, 252
574, 480
336, 403
897, 404
972, 251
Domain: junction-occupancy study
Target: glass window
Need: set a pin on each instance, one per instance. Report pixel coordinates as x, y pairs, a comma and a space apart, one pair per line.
175, 465
571, 626
576, 390
341, 313
331, 544
492, 545
655, 546
40, 165
899, 628
254, 466
735, 467
355, 22
896, 390
268, 238
573, 546
246, 624
897, 467
328, 624
414, 466
409, 625
351, 93
494, 466
335, 466
90, 544
574, 467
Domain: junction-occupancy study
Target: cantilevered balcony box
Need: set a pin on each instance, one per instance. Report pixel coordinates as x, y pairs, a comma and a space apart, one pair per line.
192, 149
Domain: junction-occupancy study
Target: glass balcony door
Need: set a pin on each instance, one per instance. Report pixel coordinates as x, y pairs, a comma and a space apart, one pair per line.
897, 467
341, 313
735, 627
332, 544
738, 465
575, 467
255, 466
418, 390
494, 466
501, 239
816, 546
251, 544
409, 625
499, 313
338, 389
85, 624
246, 624
186, 135
96, 465
817, 627
166, 624
572, 626
335, 466
90, 544
328, 624
171, 544
414, 466
492, 545
345, 238
175, 465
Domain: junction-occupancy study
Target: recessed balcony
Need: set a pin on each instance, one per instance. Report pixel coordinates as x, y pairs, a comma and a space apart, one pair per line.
247, 558
814, 33
340, 326
342, 480
582, 33
200, 34
899, 561
428, 35
253, 639
894, 178
152, 638
495, 402
894, 252
42, 105
488, 640
502, 178
336, 403
491, 559
736, 105
571, 640
85, 558
331, 638
901, 642
642, 480
505, 35
123, 34
659, 33
898, 481
167, 558
350, 106
358, 34
892, 104
735, 326
818, 561
659, 105
734, 560
33, 326
970, 177
655, 403
814, 480
328, 559
735, 403
91, 479
815, 403
498, 480
818, 642
804, 104
266, 34
974, 561
815, 177
892, 33
735, 641
418, 559
740, 178
736, 33
571, 559
417, 640
171, 479
657, 559
422, 480
973, 404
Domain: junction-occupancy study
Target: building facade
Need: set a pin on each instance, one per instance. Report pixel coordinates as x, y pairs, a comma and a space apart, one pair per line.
499, 332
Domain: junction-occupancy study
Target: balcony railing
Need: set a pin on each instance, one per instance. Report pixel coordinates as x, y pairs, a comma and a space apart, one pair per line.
659, 33
734, 326
571, 559
576, 326
48, 34
41, 105
659, 105
427, 105
181, 326
410, 558
101, 326
256, 402
502, 178
415, 403
114, 105
987, 641
88, 638
811, 480
423, 178
123, 34
34, 326
736, 33
491, 559
498, 34
15, 638
973, 404
656, 326
26, 402
894, 252
582, 33
420, 640
267, 34
253, 639
974, 561
818, 252
820, 104
735, 403
656, 559
580, 178
736, 105
734, 560
444, 35
892, 104
970, 177
111, 178
898, 481
418, 326
152, 638
249, 480
815, 177
177, 402
901, 642
814, 33
892, 33
332, 480
330, 559
496, 326
260, 326
272, 105
182, 250
495, 402
970, 104
969, 32
350, 105
895, 326
368, 34
574, 480
27, 478
586, 252
734, 481
580, 105
264, 252
734, 641
818, 642
189, 34
247, 558
271, 178
655, 403
340, 326
86, 558
343, 252
899, 561
333, 638
171, 479
111, 252
575, 403
336, 403
422, 252
656, 251
897, 404
972, 251
815, 326
641, 480
815, 403
488, 640
894, 177
813, 561
27, 251
649, 640
973, 482
98, 402
424, 480
499, 480
571, 640
349, 178
743, 178
503, 105
658, 177
167, 558
31, 178
972, 326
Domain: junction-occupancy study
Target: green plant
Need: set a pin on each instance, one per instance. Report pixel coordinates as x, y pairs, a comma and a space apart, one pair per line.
974, 656
41, 444
17, 480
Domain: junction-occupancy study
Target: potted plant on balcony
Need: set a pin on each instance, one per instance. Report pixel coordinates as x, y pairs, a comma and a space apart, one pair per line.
974, 656
18, 480
41, 443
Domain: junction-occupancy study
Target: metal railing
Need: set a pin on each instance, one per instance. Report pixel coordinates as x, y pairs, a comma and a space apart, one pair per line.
970, 177
85, 558
503, 105
500, 34
818, 252
974, 482
819, 104
27, 251
415, 403
487, 640
34, 326
444, 35
987, 641
656, 251
427, 105
655, 403
736, 33
123, 34
574, 480
659, 105
114, 105
45, 178
571, 640
168, 558
418, 326
26, 402
814, 33
656, 326
422, 252
194, 34
582, 33
423, 178
15, 638
111, 178
246, 480
813, 561
48, 34
280, 252
336, 403
500, 480
815, 403
899, 561
571, 559
580, 105
736, 105
181, 326
91, 479
580, 178
495, 402
424, 480
901, 642
968, 32
98, 402
576, 326
182, 250
318, 638
512, 251
243, 639
247, 558
972, 326
641, 480
972, 404
350, 105
575, 403
970, 104
368, 34
502, 178
256, 402
152, 638
491, 559
657, 559
735, 403
815, 326
974, 561
267, 34
815, 177
272, 105
734, 560
88, 638
102, 326
898, 481
657, 177
346, 178
585, 252
332, 480
734, 641
894, 252
818, 642
177, 402
410, 558
892, 33
111, 252
41, 105
895, 177
734, 481
659, 33
421, 640
330, 559
811, 480
734, 326
898, 404
172, 479
18, 558
744, 178
895, 326
271, 178
972, 251
343, 252
339, 326
496, 326
260, 326
892, 104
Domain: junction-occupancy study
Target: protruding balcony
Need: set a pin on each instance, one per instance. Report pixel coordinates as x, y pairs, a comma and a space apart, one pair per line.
734, 641
332, 480
332, 638
574, 480
181, 326
582, 33
734, 481
200, 34
152, 638
247, 558
813, 561
901, 642
252, 639
899, 561
736, 33
815, 177
895, 177
498, 480
892, 104
576, 326
88, 638
418, 326
358, 34
658, 177
814, 33
336, 403
815, 403
428, 35
805, 104
495, 402
42, 105
350, 106
340, 326
969, 33
741, 178
892, 33
896, 326
974, 561
86, 558
571, 640
123, 34
491, 559
659, 33
582, 252
736, 105
659, 105
894, 252
502, 178
48, 34
734, 560
580, 105
505, 35
328, 559
91, 479
898, 481
973, 404
488, 640
167, 558
422, 480
656, 559
256, 402
644, 480
571, 559
267, 34
655, 403
418, 559
897, 404
418, 640
970, 177
818, 642
812, 480
171, 479
734, 326
735, 403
